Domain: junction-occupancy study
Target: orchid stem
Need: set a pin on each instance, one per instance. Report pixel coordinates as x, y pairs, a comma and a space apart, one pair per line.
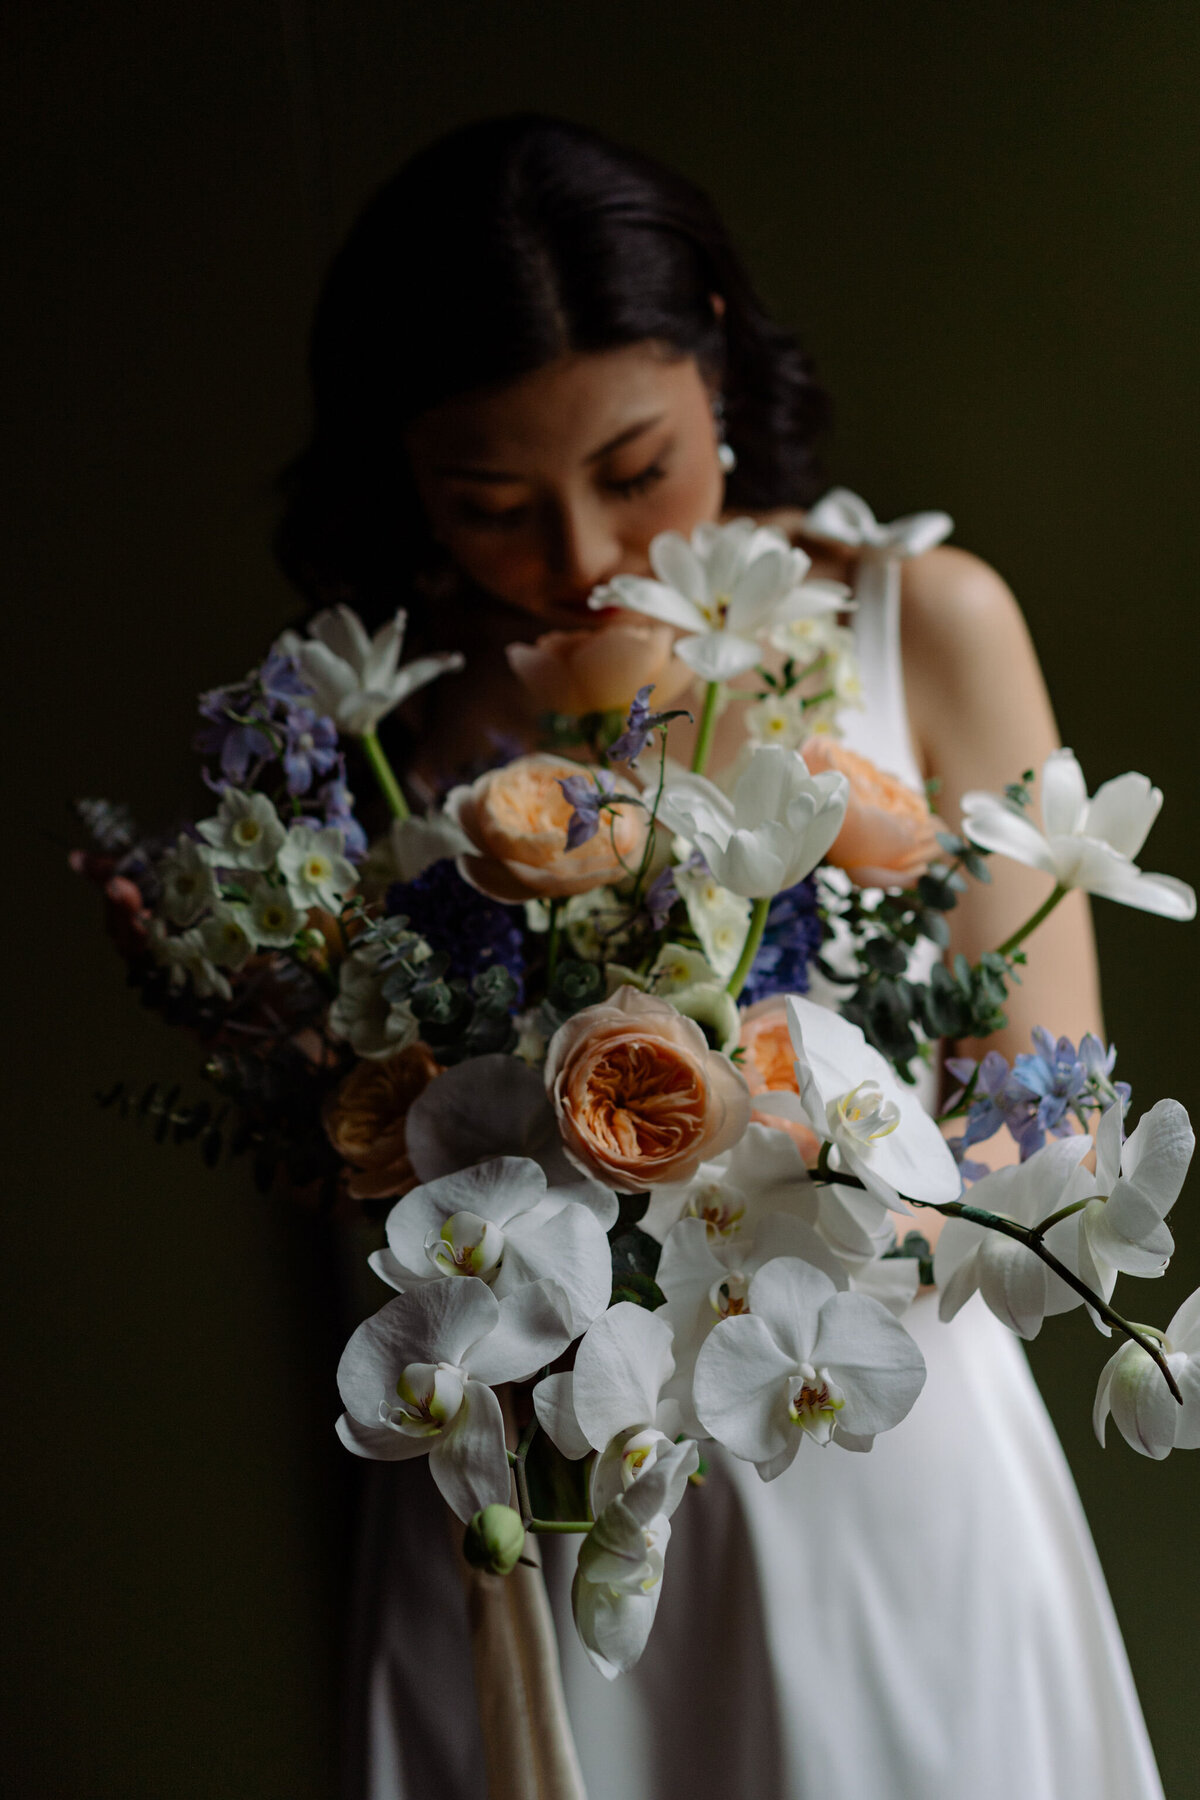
1032, 922
382, 770
754, 936
557, 1525
708, 719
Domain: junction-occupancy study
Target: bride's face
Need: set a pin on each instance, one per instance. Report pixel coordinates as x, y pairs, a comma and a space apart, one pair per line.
541, 489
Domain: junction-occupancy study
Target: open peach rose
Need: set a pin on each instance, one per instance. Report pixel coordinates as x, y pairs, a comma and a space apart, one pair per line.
769, 1066
640, 1097
889, 836
365, 1120
601, 670
516, 818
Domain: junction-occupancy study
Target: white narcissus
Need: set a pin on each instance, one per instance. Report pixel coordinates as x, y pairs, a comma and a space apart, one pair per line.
270, 916
1086, 843
312, 863
1123, 1229
1132, 1388
851, 1098
417, 1379
226, 937
615, 1400
496, 1105
355, 678
188, 884
722, 591
773, 831
719, 919
804, 1361
499, 1221
614, 1596
246, 833
1018, 1287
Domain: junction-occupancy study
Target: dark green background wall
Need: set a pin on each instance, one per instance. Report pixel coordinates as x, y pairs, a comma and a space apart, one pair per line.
983, 220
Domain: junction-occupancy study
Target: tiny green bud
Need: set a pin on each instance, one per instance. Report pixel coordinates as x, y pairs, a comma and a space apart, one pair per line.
494, 1540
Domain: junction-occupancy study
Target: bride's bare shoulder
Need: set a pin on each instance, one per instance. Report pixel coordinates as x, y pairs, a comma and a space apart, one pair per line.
955, 605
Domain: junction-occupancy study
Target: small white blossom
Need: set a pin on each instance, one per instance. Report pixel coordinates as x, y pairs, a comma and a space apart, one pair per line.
225, 937
184, 955
271, 918
245, 834
189, 885
777, 719
316, 871
719, 919
371, 1024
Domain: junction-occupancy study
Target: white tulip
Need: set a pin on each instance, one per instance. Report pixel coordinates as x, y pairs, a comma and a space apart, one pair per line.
501, 1222
1086, 843
417, 1379
722, 590
774, 829
804, 1361
355, 678
1132, 1388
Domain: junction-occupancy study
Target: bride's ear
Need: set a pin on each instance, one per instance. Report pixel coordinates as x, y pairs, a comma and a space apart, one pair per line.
717, 302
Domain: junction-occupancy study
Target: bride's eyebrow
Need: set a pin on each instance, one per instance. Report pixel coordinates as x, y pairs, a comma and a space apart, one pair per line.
461, 472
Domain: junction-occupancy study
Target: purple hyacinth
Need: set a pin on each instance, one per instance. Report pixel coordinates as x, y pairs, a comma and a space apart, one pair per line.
472, 930
791, 938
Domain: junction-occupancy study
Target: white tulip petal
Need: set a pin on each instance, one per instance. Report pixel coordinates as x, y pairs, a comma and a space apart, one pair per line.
718, 655
468, 1461
1162, 895
1122, 811
677, 566
740, 1388
622, 1364
1064, 795
652, 599
994, 825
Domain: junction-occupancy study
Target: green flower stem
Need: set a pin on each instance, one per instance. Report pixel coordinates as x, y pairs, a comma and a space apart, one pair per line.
552, 941
381, 768
1031, 1237
1064, 1212
754, 934
1032, 923
558, 1525
708, 719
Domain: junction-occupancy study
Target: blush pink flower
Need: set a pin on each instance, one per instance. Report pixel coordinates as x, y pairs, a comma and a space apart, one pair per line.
769, 1066
640, 1097
516, 819
889, 836
579, 672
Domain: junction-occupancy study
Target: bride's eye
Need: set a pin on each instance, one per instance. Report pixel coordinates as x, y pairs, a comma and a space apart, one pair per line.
641, 483
484, 518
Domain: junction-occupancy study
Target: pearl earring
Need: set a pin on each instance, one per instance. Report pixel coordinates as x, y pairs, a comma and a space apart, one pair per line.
726, 454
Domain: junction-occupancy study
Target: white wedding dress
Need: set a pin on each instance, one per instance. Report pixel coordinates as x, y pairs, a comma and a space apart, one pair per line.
926, 1622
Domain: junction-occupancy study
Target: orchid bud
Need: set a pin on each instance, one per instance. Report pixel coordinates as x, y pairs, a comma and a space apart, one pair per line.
494, 1540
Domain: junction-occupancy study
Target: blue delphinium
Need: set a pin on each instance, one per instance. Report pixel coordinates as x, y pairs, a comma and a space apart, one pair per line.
473, 931
1053, 1090
587, 795
792, 937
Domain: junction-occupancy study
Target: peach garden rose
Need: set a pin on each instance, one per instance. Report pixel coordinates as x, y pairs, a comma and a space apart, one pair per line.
889, 836
365, 1120
640, 1097
516, 819
601, 670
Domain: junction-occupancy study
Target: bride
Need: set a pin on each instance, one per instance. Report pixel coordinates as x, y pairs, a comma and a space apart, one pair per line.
535, 352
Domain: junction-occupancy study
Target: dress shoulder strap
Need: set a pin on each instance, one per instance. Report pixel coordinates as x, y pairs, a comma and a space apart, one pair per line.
880, 730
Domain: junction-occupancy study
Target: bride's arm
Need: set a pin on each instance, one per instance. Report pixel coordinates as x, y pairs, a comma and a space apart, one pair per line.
981, 715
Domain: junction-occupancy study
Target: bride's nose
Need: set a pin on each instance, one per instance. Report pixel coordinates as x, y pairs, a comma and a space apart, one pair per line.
586, 549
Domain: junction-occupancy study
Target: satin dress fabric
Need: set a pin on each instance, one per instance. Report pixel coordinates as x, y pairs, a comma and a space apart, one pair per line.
925, 1622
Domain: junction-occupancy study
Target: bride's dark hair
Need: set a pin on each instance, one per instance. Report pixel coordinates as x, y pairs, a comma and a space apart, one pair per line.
491, 253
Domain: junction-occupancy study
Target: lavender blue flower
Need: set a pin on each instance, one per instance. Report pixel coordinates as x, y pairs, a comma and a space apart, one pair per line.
338, 804
471, 930
660, 897
309, 750
638, 726
587, 794
792, 937
1049, 1090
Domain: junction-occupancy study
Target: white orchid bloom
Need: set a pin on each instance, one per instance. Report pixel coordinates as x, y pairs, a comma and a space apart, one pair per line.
615, 1400
851, 1098
1124, 1229
1131, 1387
362, 1014
722, 590
773, 830
499, 1221
846, 518
1086, 843
417, 1379
246, 833
355, 678
614, 1595
804, 1361
1016, 1284
747, 1207
316, 871
496, 1105
188, 884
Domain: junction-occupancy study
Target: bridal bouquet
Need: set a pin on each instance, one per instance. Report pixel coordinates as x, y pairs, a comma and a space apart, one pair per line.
625, 1059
